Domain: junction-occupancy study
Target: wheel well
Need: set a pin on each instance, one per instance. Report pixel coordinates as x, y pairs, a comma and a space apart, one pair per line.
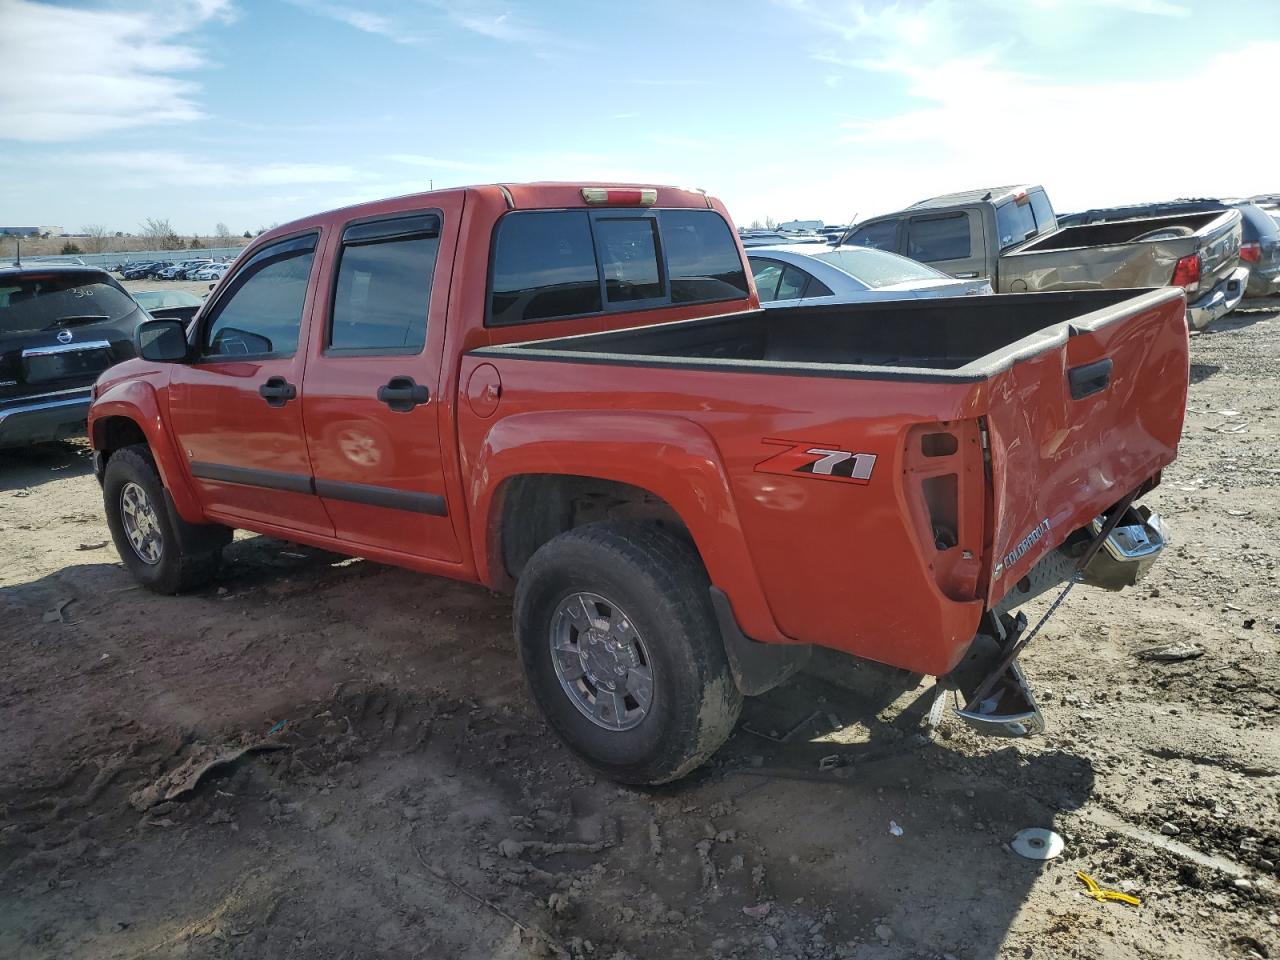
534, 508
112, 433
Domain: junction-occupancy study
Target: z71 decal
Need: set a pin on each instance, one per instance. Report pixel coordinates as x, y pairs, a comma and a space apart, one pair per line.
819, 461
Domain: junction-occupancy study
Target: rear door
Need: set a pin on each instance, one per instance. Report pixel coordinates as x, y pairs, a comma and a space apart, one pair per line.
236, 410
952, 242
1079, 424
373, 407
59, 329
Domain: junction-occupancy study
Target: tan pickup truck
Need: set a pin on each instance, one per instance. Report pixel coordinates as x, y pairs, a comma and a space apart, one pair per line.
1010, 236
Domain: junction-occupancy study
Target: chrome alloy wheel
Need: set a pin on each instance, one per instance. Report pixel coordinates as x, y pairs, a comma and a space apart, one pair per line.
141, 525
601, 661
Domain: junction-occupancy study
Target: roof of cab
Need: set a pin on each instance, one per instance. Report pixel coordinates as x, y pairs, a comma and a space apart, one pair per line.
980, 195
516, 195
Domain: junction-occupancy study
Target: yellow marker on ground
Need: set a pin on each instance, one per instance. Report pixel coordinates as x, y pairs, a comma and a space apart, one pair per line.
1101, 895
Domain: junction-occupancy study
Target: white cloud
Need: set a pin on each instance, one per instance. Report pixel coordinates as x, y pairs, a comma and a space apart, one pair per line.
72, 73
979, 107
365, 21
434, 163
485, 19
152, 168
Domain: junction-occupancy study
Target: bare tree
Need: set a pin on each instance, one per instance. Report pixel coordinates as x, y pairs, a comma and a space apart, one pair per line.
755, 225
160, 235
222, 231
770, 223
96, 236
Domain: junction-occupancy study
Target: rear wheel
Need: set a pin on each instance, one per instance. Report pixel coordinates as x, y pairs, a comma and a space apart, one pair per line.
622, 651
162, 551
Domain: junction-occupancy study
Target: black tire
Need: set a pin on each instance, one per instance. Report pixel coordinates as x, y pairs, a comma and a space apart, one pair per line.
658, 580
189, 553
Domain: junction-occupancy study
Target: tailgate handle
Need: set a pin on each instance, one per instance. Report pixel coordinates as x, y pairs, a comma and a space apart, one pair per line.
1090, 379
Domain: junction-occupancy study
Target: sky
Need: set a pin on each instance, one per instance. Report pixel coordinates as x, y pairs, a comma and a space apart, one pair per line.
253, 112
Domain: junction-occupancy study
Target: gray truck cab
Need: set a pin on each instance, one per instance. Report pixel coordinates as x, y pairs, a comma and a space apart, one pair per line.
964, 233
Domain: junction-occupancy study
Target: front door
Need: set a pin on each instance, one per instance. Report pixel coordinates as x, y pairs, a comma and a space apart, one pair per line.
237, 409
372, 406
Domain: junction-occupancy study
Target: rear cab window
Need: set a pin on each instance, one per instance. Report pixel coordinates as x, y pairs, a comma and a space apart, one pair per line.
30, 303
1021, 218
558, 264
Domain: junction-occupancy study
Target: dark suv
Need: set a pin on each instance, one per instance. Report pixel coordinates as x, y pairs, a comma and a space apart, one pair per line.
60, 327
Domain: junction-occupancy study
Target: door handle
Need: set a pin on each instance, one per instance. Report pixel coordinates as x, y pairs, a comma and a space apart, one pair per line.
277, 391
967, 275
402, 394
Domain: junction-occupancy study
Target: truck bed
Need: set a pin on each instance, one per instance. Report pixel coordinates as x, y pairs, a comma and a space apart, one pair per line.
1121, 231
987, 430
956, 338
1110, 255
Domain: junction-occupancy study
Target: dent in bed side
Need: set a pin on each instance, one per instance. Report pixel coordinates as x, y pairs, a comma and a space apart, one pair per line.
669, 457
136, 399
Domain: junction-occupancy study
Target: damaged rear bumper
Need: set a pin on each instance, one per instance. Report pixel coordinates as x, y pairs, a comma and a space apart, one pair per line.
998, 701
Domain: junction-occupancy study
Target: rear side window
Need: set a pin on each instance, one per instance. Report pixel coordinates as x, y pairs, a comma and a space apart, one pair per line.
261, 313
383, 287
544, 265
550, 264
767, 274
881, 236
702, 257
938, 238
54, 300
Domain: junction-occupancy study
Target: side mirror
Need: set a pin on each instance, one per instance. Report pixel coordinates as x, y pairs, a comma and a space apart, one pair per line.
164, 341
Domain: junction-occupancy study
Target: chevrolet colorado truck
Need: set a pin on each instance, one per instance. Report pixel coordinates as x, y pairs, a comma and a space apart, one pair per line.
1011, 237
571, 393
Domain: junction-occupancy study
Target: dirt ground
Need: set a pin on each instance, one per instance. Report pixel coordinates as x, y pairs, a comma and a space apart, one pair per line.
412, 804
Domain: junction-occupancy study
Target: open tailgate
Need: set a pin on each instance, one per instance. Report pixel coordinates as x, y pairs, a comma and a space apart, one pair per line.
1075, 425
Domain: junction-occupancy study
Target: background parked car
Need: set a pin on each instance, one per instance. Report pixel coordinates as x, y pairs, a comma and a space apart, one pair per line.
212, 271
169, 304
788, 275
1259, 236
60, 326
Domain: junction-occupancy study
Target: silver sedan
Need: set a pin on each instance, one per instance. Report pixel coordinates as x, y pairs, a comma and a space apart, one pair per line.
787, 276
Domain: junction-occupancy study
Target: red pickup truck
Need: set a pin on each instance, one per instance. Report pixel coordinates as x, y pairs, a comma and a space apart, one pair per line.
571, 392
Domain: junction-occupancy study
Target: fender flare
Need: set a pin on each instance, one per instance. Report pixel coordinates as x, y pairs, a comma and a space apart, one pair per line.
138, 401
668, 456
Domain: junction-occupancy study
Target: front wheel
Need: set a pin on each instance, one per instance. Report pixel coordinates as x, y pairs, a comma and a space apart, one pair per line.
162, 551
622, 651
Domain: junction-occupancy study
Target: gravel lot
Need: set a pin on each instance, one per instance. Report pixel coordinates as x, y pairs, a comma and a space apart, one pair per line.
420, 808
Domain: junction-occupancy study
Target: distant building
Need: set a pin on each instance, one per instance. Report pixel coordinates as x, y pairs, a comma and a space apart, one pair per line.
800, 226
29, 231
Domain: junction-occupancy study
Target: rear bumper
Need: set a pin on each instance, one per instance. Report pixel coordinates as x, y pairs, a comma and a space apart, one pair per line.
43, 418
1264, 283
1219, 301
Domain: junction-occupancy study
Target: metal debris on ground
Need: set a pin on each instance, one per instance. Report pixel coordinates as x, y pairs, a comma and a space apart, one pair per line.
1101, 895
1037, 843
1171, 653
185, 777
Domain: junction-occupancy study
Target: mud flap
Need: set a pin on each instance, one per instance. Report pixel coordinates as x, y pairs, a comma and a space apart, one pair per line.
756, 667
